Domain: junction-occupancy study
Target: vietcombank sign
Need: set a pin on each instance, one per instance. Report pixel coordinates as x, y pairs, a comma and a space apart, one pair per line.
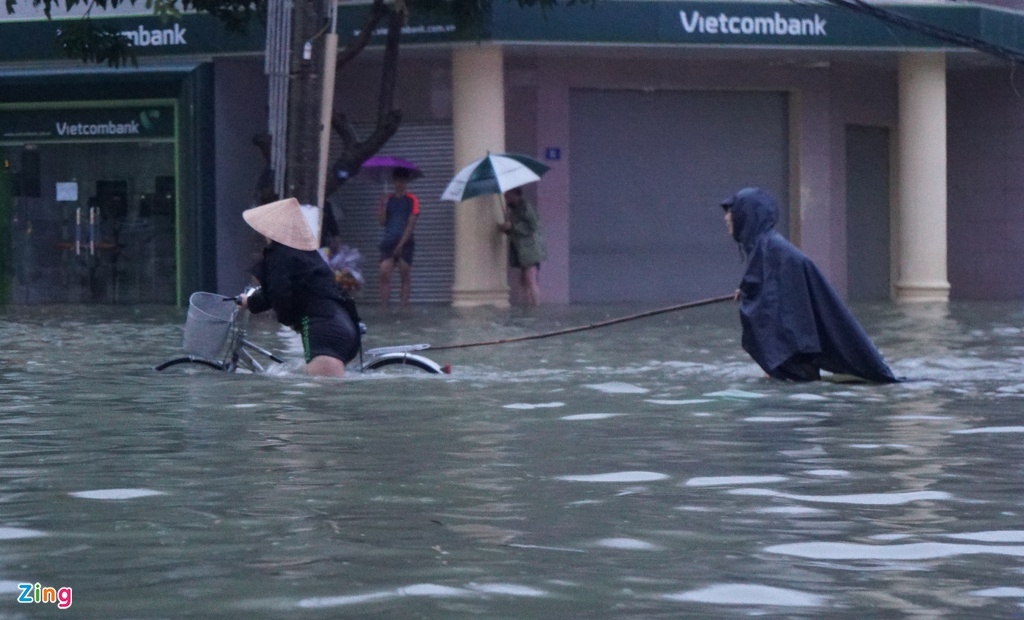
748, 24
157, 37
86, 124
695, 22
191, 33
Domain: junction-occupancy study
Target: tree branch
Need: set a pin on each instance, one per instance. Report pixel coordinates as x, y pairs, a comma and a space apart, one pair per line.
388, 119
389, 75
344, 129
373, 18
355, 153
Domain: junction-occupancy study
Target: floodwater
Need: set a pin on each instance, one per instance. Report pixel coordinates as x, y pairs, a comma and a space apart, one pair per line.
643, 470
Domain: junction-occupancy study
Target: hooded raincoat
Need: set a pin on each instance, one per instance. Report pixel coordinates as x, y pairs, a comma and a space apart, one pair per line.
794, 323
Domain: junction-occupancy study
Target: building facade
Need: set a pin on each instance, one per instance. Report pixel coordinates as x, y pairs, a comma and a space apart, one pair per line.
896, 155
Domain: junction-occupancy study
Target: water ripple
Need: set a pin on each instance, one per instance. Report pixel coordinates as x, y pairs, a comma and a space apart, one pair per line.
619, 476
742, 394
712, 481
551, 405
1005, 592
808, 397
865, 499
1006, 536
426, 590
829, 473
591, 416
989, 429
911, 551
115, 494
750, 594
627, 543
508, 589
617, 387
13, 533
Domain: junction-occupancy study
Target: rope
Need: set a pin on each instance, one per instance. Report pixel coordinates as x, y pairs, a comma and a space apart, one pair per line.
571, 330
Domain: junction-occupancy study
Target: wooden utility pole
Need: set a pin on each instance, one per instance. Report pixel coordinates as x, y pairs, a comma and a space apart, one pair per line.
301, 75
309, 27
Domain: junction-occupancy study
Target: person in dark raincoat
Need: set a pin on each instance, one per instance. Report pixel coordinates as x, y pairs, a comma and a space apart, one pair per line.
794, 323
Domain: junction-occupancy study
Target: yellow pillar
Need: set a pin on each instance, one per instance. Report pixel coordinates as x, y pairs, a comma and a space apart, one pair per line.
478, 119
921, 215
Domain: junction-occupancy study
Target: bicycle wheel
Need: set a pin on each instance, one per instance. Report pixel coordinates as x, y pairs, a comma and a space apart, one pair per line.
405, 359
191, 360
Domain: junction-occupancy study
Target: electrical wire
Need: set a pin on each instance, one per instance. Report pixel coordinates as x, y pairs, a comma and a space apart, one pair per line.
918, 25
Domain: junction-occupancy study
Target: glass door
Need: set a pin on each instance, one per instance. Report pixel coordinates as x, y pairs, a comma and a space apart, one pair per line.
91, 223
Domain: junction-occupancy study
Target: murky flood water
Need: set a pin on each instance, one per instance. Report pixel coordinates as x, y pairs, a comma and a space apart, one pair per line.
645, 470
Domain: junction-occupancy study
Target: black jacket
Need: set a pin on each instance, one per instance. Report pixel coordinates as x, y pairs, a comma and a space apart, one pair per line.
297, 284
791, 315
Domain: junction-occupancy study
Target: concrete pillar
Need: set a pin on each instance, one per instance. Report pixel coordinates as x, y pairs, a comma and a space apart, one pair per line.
921, 209
478, 119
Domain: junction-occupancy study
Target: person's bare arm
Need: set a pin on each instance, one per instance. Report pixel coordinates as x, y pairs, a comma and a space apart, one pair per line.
406, 234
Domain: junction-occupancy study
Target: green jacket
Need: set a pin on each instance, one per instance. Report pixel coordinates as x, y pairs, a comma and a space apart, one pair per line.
526, 236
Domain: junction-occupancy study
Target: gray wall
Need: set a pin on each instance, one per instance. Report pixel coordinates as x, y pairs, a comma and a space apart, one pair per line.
240, 93
867, 213
986, 184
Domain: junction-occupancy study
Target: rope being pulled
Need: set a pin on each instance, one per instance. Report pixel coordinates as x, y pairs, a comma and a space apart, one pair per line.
571, 330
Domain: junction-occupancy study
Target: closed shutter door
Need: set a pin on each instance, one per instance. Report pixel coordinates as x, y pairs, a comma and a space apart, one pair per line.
648, 171
430, 147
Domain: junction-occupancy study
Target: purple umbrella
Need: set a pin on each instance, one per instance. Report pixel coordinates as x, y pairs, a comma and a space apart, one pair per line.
381, 167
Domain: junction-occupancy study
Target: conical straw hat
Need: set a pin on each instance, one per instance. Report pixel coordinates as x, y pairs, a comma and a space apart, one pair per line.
283, 222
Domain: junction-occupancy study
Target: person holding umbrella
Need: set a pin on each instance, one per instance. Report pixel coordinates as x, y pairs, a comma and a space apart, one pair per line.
397, 214
526, 242
505, 174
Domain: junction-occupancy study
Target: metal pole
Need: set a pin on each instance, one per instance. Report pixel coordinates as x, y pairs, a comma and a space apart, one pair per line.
276, 66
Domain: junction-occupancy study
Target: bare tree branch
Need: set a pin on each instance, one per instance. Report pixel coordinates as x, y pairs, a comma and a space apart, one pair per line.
373, 18
353, 156
344, 129
389, 76
388, 119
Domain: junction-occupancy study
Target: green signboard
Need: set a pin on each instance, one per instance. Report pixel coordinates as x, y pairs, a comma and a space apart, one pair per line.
644, 22
190, 34
768, 24
750, 24
421, 28
713, 23
87, 124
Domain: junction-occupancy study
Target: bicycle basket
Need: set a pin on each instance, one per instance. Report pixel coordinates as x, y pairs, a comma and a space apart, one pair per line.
211, 327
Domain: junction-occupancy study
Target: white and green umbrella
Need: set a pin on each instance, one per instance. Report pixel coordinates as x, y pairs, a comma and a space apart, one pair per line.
494, 174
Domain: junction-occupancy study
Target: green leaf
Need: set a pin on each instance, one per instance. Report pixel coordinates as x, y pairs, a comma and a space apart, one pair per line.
85, 41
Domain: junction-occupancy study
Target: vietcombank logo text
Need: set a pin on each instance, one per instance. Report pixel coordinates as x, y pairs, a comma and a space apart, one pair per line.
777, 25
144, 122
109, 128
141, 37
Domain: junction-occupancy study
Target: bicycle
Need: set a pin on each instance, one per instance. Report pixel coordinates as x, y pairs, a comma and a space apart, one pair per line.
215, 336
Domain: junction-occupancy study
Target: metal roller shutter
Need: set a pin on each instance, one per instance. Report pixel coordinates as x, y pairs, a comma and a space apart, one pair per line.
430, 147
648, 170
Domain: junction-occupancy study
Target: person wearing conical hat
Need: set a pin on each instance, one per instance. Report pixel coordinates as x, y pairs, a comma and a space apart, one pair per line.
299, 286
